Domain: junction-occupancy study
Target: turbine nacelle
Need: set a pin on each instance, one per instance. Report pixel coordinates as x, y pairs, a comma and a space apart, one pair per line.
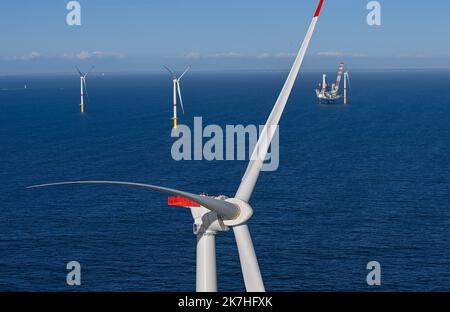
207, 222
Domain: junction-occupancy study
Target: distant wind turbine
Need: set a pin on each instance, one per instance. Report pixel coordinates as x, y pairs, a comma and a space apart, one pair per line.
83, 86
217, 214
346, 80
176, 89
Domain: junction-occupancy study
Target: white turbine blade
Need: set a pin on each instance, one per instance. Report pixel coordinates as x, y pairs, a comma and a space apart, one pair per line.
247, 256
171, 72
92, 67
85, 89
260, 152
224, 209
79, 71
179, 95
184, 73
249, 262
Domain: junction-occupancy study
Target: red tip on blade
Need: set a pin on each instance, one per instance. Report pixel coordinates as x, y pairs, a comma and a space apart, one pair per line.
181, 201
318, 9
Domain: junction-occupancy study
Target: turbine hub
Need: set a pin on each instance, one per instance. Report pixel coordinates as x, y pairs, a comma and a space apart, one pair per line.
245, 212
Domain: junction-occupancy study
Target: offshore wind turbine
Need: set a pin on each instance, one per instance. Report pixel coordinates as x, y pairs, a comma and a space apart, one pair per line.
217, 214
176, 89
83, 87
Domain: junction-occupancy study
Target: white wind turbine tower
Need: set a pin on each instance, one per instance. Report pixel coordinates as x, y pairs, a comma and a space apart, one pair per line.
216, 214
176, 89
83, 87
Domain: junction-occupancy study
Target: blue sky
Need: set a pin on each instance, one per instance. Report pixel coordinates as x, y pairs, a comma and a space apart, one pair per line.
139, 35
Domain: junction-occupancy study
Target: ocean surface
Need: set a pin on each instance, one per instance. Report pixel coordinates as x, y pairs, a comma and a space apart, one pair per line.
369, 181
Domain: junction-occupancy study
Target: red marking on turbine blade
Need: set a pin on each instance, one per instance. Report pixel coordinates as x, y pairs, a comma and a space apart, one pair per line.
181, 201
319, 8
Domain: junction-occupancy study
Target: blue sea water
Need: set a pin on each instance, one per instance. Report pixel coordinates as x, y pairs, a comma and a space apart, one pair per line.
364, 182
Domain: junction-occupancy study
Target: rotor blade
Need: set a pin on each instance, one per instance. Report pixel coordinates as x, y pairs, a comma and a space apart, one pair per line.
224, 209
85, 88
260, 152
187, 69
79, 71
170, 71
247, 256
179, 95
92, 67
349, 85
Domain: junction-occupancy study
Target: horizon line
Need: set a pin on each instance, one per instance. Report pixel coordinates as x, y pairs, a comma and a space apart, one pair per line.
247, 70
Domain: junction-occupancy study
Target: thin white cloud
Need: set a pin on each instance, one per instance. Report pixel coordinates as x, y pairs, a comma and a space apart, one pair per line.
276, 55
340, 54
419, 56
361, 55
193, 55
26, 57
226, 55
198, 55
330, 53
84, 55
264, 56
285, 55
